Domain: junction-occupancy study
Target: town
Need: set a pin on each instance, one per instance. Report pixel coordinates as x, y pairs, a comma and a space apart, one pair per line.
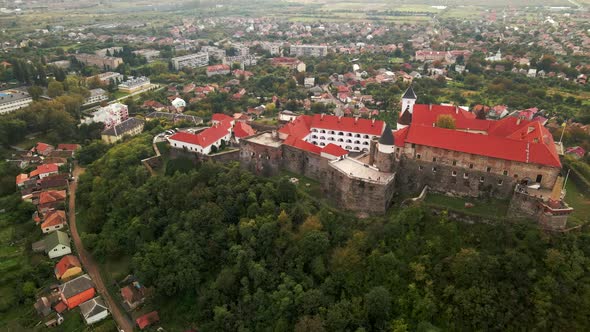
309, 166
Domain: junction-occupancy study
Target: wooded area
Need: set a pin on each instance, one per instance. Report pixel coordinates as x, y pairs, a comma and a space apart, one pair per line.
228, 251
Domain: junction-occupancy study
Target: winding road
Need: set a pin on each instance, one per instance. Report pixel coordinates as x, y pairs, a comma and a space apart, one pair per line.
123, 321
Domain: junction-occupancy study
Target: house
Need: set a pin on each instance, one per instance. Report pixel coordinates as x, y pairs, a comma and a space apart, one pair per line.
133, 295
44, 170
532, 73
576, 152
135, 84
68, 266
54, 220
219, 118
110, 115
55, 181
57, 244
218, 70
152, 104
147, 320
96, 96
179, 104
287, 116
68, 147
204, 142
309, 82
21, 179
129, 127
77, 291
93, 310
42, 149
51, 199
291, 63
241, 130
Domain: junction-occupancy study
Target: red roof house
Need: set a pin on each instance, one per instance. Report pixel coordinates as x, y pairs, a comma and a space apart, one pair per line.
68, 266
242, 129
77, 291
44, 170
42, 149
147, 320
68, 147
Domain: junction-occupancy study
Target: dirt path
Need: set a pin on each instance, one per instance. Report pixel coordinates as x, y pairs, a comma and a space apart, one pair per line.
88, 262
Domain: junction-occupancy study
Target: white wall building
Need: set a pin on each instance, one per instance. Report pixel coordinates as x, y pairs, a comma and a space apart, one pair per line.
96, 96
192, 61
110, 115
308, 50
12, 100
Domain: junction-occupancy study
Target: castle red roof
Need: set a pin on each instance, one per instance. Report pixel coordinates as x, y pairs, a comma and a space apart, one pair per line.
349, 124
303, 145
220, 117
242, 129
334, 150
204, 138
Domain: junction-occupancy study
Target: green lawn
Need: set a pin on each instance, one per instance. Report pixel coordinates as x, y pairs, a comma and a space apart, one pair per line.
579, 202
490, 208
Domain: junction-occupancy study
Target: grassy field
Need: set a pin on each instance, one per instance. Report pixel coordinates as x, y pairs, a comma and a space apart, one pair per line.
491, 208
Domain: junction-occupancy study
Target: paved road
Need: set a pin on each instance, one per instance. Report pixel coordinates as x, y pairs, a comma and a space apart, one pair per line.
88, 262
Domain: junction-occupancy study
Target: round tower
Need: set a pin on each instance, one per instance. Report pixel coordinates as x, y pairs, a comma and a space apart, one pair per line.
405, 115
384, 156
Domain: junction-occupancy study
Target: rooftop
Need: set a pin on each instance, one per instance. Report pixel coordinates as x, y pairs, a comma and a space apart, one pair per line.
76, 286
123, 127
356, 169
266, 139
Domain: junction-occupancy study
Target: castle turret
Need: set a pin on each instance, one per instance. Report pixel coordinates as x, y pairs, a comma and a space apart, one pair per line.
384, 155
405, 115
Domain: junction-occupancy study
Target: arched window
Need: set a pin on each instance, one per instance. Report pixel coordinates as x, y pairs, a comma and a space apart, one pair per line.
357, 142
331, 132
349, 134
357, 135
366, 136
322, 131
314, 143
314, 130
340, 133
348, 147
314, 136
322, 137
330, 138
322, 143
356, 148
365, 150
348, 141
340, 140
365, 143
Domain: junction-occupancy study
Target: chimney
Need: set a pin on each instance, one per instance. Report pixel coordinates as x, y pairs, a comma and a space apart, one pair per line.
456, 109
373, 122
339, 117
356, 119
322, 116
518, 120
430, 107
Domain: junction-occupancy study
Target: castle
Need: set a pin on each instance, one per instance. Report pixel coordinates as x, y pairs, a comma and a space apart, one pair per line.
362, 163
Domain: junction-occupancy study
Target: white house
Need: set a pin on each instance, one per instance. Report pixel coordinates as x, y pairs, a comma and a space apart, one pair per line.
204, 141
57, 244
94, 310
179, 103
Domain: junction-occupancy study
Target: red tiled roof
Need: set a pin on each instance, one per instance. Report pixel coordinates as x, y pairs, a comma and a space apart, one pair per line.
299, 127
303, 145
60, 307
21, 178
484, 145
44, 169
204, 138
427, 115
220, 117
42, 147
68, 147
355, 125
334, 150
54, 218
217, 68
66, 263
52, 196
399, 136
147, 319
242, 129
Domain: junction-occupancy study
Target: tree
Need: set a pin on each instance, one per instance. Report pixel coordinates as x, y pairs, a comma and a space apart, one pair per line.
378, 306
35, 91
55, 89
445, 121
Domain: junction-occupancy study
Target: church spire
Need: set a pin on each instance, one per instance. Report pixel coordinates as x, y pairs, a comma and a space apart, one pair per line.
410, 94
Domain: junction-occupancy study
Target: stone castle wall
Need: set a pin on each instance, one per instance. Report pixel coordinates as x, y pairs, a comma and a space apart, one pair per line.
260, 159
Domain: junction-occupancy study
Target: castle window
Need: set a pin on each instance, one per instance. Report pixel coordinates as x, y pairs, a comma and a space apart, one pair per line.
331, 132
417, 156
357, 148
434, 170
515, 176
500, 182
465, 176
454, 173
314, 143
340, 133
322, 131
505, 173
396, 149
454, 163
322, 143
314, 136
481, 179
340, 140
489, 169
357, 135
470, 165
348, 141
420, 168
539, 178
314, 130
322, 137
349, 134
366, 136
348, 147
413, 146
357, 142
365, 143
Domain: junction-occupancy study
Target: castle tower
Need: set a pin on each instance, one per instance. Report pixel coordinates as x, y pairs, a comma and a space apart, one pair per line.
384, 155
405, 115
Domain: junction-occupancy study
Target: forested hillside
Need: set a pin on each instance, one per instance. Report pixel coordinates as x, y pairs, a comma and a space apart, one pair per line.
228, 251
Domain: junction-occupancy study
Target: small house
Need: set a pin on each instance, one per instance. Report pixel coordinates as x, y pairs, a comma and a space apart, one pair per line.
57, 244
54, 220
93, 310
77, 291
67, 267
147, 320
